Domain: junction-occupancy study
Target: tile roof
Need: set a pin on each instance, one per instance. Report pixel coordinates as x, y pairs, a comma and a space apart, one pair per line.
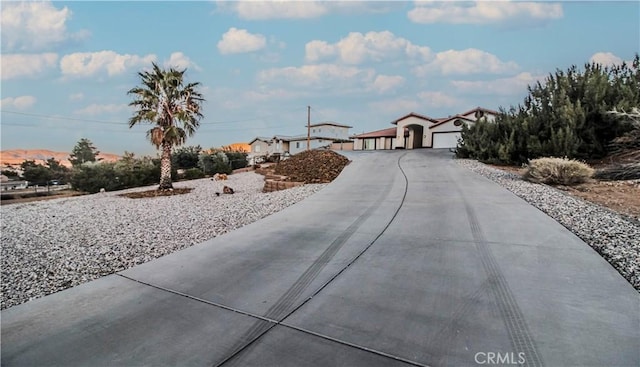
413, 114
387, 133
330, 123
454, 117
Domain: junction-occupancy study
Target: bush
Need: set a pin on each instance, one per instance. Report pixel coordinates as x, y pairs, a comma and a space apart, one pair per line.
557, 171
91, 177
237, 159
193, 174
214, 163
629, 171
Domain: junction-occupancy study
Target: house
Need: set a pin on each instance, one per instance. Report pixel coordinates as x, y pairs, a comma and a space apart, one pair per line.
13, 185
330, 130
322, 135
419, 131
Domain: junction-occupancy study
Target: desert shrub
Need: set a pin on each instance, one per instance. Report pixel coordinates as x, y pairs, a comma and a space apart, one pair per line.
186, 157
193, 174
629, 171
214, 163
237, 159
557, 171
91, 177
566, 115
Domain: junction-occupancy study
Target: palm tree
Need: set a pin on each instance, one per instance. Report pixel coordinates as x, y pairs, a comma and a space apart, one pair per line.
172, 106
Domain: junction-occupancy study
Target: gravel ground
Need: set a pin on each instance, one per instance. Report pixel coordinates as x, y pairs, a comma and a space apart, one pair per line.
614, 236
48, 246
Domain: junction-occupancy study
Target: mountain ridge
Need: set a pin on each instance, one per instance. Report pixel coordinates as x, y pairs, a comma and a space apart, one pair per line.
14, 157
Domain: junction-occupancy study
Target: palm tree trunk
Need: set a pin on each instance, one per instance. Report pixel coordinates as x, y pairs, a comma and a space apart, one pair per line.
165, 167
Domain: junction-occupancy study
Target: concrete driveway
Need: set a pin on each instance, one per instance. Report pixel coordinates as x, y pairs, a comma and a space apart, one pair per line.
406, 259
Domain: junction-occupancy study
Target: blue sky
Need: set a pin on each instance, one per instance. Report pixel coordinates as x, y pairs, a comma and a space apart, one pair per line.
67, 66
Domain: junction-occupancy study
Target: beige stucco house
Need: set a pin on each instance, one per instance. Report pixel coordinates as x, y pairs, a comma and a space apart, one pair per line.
419, 131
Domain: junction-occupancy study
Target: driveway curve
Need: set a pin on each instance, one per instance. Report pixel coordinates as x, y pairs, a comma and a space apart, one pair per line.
405, 259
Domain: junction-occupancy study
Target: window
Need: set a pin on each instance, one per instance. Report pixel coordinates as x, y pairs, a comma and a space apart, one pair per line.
457, 122
256, 149
297, 144
313, 130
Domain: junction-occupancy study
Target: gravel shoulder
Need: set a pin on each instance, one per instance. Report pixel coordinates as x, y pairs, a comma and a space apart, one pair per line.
51, 245
614, 236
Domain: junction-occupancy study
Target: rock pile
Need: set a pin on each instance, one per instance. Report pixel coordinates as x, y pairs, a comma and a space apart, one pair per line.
313, 166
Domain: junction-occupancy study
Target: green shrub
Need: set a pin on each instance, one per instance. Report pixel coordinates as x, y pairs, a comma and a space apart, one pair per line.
214, 163
566, 115
91, 177
557, 171
237, 159
193, 174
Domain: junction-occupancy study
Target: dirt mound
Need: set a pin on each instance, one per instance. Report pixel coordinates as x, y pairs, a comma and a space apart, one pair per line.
312, 166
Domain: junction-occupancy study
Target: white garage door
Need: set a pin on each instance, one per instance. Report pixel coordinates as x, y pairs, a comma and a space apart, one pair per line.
445, 140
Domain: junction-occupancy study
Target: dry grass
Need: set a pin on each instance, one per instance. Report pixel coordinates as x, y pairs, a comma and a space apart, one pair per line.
557, 171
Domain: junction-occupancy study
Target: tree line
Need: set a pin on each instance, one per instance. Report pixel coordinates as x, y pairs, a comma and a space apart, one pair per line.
89, 173
566, 115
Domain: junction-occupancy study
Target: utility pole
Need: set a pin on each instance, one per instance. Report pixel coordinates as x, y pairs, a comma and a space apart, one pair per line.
308, 127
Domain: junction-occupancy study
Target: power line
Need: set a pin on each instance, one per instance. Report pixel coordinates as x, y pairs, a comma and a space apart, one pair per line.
134, 131
57, 117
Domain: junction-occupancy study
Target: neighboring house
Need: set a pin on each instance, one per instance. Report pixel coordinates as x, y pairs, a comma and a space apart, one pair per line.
323, 135
14, 185
377, 140
420, 131
330, 130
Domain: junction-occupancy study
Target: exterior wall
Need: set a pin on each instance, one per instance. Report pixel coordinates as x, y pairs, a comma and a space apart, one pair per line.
343, 146
412, 120
259, 147
330, 131
381, 143
488, 116
297, 146
448, 127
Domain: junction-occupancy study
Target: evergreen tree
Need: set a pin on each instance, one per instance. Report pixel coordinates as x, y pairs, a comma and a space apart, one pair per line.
84, 151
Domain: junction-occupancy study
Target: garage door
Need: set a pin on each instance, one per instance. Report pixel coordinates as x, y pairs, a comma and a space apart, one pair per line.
445, 140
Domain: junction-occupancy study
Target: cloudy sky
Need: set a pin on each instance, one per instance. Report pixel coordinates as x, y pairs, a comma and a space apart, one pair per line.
67, 66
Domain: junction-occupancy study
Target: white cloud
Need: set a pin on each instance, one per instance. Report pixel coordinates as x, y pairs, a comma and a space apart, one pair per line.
18, 65
76, 97
438, 99
279, 9
35, 25
318, 75
505, 86
267, 94
178, 60
84, 64
469, 61
259, 10
101, 109
357, 48
236, 41
20, 103
606, 59
485, 12
387, 83
395, 106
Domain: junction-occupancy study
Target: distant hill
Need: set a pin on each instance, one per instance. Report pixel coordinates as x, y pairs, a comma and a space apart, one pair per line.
17, 156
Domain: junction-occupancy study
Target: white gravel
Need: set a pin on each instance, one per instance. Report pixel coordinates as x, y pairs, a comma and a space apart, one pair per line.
48, 246
614, 236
